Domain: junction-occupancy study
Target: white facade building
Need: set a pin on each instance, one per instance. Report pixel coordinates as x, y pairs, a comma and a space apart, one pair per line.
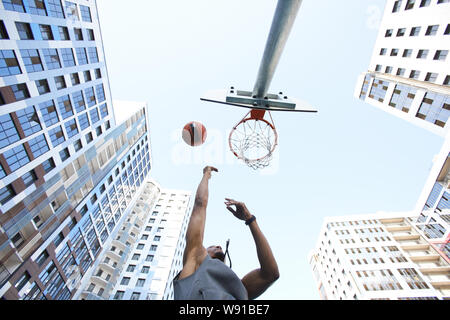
142, 258
378, 256
409, 72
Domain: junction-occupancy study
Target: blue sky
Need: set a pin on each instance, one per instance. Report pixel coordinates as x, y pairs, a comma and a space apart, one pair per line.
349, 158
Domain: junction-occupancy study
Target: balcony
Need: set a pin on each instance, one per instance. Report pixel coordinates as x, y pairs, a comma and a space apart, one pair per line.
406, 237
393, 229
441, 284
107, 267
435, 270
426, 258
416, 247
99, 280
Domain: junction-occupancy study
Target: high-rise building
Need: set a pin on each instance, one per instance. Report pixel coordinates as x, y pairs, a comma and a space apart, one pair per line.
69, 171
145, 253
409, 77
409, 73
378, 256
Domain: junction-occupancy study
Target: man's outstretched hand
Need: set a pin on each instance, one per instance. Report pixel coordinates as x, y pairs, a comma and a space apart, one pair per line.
240, 211
207, 171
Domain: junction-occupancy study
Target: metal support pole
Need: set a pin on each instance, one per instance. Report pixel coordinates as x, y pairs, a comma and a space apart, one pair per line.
284, 18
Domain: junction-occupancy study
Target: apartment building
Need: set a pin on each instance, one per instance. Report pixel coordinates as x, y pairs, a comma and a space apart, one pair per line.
380, 256
68, 170
145, 253
409, 72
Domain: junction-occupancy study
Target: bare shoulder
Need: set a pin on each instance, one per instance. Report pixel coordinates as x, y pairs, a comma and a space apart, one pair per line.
192, 261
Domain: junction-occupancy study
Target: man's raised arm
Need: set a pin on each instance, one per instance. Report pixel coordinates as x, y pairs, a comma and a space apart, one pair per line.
258, 280
194, 252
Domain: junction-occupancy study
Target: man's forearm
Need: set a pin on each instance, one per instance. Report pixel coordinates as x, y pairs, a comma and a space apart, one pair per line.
201, 197
266, 259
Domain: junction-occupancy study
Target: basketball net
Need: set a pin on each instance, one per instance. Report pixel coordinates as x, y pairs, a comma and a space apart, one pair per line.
253, 139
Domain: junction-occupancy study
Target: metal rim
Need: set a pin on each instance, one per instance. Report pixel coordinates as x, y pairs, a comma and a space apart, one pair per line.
243, 121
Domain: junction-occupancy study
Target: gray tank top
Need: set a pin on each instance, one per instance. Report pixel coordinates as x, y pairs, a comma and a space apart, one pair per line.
213, 280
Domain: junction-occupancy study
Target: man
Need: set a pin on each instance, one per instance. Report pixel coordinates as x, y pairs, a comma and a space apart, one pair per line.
204, 274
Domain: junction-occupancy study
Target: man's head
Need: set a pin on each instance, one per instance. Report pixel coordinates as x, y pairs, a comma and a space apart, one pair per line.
216, 252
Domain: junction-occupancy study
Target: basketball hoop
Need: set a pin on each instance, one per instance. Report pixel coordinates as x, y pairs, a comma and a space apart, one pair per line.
253, 139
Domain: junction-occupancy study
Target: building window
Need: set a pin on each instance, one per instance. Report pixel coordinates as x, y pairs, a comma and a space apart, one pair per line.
432, 30
135, 296
131, 268
57, 136
16, 157
84, 121
71, 10
78, 101
89, 137
29, 120
3, 32
135, 256
402, 97
435, 108
145, 269
388, 33
78, 34
38, 146
14, 5
60, 82
378, 90
78, 145
42, 86
74, 78
8, 63
42, 258
410, 4
8, 132
90, 96
149, 258
413, 278
63, 33
87, 76
48, 165
85, 13
397, 6
378, 68
71, 128
65, 107
446, 81
31, 60
94, 115
125, 281
23, 280
140, 282
431, 77
6, 194
55, 9
414, 74
401, 32
64, 154
425, 3
153, 248
51, 59
46, 32
100, 91
91, 36
414, 31
440, 55
400, 71
407, 53
67, 57
157, 238
93, 55
104, 110
81, 56
48, 111
394, 52
422, 54
119, 295
447, 30
388, 69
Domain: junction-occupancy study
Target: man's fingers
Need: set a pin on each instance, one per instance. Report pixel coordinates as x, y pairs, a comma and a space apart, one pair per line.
231, 210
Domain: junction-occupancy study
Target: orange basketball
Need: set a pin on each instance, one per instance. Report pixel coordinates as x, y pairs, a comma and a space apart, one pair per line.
194, 133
